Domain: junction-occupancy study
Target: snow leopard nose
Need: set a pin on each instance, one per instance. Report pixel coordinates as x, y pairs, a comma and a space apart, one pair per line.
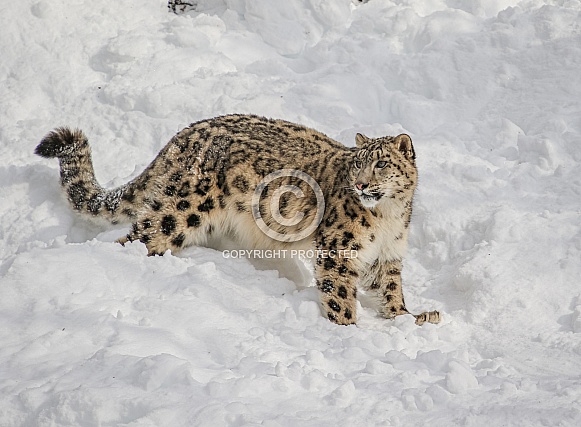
361, 186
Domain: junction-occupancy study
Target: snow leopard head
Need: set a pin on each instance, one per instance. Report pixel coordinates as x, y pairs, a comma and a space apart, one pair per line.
383, 168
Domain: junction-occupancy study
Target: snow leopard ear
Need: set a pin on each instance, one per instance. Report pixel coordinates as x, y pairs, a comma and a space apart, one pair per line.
404, 144
360, 140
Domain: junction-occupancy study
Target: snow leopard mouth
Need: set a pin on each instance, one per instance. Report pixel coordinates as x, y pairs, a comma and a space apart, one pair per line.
369, 200
369, 197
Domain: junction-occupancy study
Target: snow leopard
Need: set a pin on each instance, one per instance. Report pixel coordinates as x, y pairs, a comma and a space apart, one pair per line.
263, 182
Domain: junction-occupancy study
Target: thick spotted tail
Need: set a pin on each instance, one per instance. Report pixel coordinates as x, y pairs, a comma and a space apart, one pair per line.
83, 191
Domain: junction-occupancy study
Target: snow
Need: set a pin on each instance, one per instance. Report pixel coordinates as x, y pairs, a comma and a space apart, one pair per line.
95, 334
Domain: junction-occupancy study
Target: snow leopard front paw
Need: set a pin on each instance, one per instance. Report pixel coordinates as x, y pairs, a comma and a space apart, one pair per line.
428, 316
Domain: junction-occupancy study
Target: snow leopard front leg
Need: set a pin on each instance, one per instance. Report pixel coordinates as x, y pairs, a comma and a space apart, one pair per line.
384, 279
336, 280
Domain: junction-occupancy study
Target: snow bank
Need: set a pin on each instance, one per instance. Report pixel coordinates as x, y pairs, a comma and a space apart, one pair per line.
97, 334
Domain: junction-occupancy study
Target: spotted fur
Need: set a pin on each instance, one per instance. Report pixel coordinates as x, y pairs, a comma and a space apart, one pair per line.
202, 183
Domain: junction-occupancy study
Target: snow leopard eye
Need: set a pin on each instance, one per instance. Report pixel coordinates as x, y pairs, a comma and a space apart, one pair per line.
381, 164
358, 164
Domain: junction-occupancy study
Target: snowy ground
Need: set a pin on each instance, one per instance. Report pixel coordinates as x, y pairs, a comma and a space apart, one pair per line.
95, 334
